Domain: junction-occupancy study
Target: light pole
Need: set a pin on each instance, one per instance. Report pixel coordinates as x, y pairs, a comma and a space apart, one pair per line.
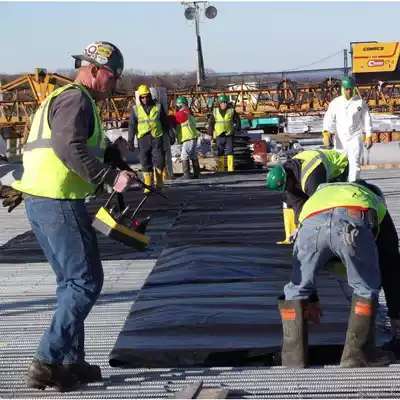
192, 12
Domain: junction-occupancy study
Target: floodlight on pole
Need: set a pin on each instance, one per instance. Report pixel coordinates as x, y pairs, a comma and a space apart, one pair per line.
192, 12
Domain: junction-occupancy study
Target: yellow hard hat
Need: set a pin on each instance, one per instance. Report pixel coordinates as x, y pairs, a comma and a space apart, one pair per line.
143, 90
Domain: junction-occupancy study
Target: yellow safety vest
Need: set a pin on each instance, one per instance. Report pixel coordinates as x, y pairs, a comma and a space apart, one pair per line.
334, 162
187, 130
346, 194
223, 124
149, 123
45, 175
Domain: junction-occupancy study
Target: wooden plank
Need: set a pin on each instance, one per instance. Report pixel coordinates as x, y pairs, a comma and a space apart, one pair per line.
213, 393
190, 391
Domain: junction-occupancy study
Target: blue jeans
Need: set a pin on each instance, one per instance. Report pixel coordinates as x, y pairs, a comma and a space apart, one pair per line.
322, 237
64, 232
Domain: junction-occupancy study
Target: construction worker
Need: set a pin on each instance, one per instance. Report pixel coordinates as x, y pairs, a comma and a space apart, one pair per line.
300, 177
348, 115
149, 123
222, 125
339, 220
63, 163
186, 130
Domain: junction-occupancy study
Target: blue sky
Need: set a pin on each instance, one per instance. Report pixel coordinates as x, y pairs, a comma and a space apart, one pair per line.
154, 37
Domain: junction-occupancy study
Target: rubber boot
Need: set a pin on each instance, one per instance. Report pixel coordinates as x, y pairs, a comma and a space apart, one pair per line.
196, 168
85, 372
288, 221
295, 332
159, 178
221, 164
186, 169
165, 174
231, 167
394, 344
148, 180
360, 349
41, 374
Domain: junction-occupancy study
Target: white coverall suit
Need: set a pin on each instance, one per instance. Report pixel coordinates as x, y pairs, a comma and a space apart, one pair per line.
349, 119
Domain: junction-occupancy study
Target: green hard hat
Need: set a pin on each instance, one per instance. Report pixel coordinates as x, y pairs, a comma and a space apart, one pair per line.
276, 179
181, 101
222, 98
348, 83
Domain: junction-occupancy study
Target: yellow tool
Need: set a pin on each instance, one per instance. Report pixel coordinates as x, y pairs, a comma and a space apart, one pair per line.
121, 225
230, 163
288, 220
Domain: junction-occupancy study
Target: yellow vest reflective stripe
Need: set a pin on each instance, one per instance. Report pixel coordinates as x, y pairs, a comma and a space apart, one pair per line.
45, 175
187, 130
334, 162
346, 194
223, 124
149, 123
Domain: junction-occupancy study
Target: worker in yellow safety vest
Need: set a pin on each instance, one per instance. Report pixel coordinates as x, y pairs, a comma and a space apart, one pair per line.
63, 164
300, 177
222, 125
339, 220
149, 123
186, 133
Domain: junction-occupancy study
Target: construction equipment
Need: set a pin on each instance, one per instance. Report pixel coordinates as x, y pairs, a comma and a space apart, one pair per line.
375, 62
121, 224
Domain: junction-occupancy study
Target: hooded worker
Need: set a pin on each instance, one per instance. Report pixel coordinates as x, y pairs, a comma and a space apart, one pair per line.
186, 129
300, 177
339, 220
348, 115
222, 125
149, 123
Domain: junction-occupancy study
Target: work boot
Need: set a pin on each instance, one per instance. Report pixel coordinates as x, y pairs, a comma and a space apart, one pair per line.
40, 375
148, 180
196, 168
295, 332
231, 165
221, 164
394, 344
289, 224
186, 169
159, 178
360, 349
85, 372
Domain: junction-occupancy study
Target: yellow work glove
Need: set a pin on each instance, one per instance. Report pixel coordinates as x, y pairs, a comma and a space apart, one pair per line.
326, 138
368, 142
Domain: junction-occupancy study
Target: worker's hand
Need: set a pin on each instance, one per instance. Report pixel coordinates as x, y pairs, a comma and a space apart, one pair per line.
131, 146
368, 142
314, 310
213, 145
12, 198
124, 180
172, 140
326, 138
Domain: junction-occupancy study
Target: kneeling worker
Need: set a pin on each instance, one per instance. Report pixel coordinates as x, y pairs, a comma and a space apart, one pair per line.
149, 122
300, 177
342, 220
186, 132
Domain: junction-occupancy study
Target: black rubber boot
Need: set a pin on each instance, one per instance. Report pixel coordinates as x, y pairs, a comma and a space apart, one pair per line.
186, 169
40, 375
295, 333
85, 372
196, 168
360, 349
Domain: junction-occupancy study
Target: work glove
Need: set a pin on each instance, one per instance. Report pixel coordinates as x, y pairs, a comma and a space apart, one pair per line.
131, 146
12, 198
326, 139
314, 310
368, 142
3, 157
123, 180
213, 145
172, 138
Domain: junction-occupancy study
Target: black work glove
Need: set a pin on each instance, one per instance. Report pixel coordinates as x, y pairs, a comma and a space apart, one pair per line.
172, 138
131, 146
12, 198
